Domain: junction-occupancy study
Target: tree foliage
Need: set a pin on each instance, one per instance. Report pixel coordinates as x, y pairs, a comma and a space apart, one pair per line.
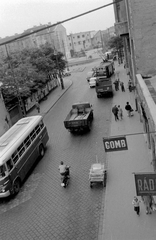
115, 43
28, 70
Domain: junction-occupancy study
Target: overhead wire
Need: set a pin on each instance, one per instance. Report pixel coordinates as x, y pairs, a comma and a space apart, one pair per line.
60, 22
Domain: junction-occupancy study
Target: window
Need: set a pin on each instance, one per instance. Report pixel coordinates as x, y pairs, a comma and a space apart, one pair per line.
78, 36
15, 157
69, 44
27, 142
33, 135
83, 36
79, 43
41, 124
9, 164
37, 129
2, 171
21, 149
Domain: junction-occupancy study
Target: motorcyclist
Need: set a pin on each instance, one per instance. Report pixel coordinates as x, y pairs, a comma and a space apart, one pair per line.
64, 169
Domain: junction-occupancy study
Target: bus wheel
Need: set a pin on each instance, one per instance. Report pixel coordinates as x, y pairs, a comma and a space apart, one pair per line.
16, 186
41, 150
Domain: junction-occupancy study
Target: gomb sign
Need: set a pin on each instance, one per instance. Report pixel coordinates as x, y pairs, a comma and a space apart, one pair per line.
145, 184
115, 144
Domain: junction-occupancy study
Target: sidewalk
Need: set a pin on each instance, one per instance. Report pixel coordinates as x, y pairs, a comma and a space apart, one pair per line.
120, 220
53, 97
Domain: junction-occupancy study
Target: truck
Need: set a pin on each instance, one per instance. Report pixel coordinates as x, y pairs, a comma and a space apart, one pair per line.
79, 118
103, 75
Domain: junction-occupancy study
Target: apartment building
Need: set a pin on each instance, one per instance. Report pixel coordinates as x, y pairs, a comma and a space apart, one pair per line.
80, 41
56, 36
101, 38
135, 23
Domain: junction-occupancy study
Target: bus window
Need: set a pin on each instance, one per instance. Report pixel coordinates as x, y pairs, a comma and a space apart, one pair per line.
33, 135
2, 171
37, 129
21, 149
9, 164
41, 124
15, 157
27, 142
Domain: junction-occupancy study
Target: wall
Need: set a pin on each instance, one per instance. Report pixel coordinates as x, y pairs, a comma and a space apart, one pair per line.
143, 20
146, 101
4, 122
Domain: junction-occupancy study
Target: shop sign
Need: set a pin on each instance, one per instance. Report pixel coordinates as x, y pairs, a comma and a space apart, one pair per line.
145, 184
115, 144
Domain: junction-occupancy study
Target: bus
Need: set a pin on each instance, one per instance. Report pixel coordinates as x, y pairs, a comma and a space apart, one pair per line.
20, 147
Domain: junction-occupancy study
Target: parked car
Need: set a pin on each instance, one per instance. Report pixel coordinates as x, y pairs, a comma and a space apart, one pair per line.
66, 73
89, 75
92, 82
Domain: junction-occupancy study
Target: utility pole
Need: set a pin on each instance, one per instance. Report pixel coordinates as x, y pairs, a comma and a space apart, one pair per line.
20, 101
101, 39
56, 54
65, 55
60, 75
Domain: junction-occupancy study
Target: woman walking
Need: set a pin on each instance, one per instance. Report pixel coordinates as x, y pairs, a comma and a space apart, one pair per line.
120, 112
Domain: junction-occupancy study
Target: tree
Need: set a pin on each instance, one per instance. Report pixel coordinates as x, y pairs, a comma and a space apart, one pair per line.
28, 70
116, 43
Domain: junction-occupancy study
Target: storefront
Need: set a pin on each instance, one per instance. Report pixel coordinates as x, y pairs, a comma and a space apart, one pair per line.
146, 109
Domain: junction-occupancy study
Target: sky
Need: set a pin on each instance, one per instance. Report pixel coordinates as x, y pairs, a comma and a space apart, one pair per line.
19, 15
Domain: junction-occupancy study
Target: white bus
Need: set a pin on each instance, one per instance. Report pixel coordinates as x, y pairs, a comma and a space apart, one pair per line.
20, 147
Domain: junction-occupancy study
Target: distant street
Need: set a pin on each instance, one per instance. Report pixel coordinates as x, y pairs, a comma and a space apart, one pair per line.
45, 210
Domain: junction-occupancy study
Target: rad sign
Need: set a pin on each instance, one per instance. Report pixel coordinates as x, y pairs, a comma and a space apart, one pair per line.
145, 184
115, 144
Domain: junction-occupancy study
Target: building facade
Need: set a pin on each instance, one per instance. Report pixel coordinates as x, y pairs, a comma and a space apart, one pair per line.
101, 38
56, 36
135, 23
80, 41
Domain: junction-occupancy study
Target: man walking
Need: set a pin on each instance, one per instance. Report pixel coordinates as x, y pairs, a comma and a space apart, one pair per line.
128, 109
37, 105
115, 112
122, 86
136, 203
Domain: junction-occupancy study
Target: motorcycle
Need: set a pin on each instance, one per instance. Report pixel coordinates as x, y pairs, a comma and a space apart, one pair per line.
65, 178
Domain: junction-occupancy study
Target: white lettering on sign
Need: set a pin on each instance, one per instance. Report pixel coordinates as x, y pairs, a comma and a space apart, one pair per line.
151, 183
144, 185
115, 144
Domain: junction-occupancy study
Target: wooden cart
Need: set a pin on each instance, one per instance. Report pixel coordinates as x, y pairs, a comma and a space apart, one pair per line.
97, 174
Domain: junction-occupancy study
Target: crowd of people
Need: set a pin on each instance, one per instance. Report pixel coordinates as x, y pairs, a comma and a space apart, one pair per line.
148, 201
118, 112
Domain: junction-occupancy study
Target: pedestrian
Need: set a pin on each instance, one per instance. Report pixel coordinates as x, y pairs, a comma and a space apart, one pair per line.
118, 61
115, 112
130, 85
122, 86
116, 85
136, 203
120, 112
147, 202
37, 105
129, 109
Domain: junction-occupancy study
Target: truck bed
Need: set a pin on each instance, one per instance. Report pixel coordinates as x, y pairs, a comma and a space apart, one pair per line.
78, 116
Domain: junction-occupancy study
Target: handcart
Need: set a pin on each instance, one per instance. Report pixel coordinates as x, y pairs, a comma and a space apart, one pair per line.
97, 174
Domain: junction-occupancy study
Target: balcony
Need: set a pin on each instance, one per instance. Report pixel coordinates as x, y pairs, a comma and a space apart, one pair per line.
121, 28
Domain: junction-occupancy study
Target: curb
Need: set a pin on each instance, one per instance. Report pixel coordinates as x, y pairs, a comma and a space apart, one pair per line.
71, 83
